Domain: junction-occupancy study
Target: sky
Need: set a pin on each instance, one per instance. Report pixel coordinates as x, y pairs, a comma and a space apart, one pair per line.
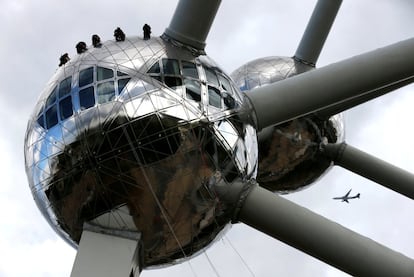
36, 33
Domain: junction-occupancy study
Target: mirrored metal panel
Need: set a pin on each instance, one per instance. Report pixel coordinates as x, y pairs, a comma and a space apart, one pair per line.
128, 136
289, 156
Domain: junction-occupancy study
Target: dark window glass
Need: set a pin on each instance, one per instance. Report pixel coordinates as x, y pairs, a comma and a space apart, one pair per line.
155, 69
86, 77
190, 70
52, 97
51, 117
104, 73
121, 84
214, 98
225, 84
105, 92
193, 90
211, 77
229, 101
65, 107
120, 74
86, 98
41, 120
171, 66
173, 82
65, 87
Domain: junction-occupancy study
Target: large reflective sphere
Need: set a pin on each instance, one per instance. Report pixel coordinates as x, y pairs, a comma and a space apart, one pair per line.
289, 156
130, 136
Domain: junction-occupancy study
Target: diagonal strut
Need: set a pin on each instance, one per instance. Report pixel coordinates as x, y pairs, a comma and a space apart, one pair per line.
371, 167
311, 233
317, 31
192, 21
360, 76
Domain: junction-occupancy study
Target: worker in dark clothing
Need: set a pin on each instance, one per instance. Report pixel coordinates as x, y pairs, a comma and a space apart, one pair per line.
119, 34
96, 41
64, 59
147, 31
81, 47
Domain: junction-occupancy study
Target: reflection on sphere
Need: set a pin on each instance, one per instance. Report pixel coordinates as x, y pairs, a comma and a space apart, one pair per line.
289, 156
130, 136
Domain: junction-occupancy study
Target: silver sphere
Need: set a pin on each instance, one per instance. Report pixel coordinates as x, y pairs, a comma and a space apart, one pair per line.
268, 70
289, 157
130, 136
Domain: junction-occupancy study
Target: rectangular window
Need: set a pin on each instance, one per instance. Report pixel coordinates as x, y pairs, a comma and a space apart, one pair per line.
52, 97
87, 98
121, 84
211, 77
214, 97
225, 84
65, 87
155, 69
193, 90
105, 92
172, 82
86, 77
171, 66
189, 70
104, 73
51, 117
66, 108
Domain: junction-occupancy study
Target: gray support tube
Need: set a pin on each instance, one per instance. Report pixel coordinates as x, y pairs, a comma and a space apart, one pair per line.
105, 255
317, 31
336, 109
372, 168
316, 235
192, 21
325, 87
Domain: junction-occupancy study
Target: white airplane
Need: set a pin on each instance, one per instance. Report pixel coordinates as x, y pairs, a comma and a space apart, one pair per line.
346, 197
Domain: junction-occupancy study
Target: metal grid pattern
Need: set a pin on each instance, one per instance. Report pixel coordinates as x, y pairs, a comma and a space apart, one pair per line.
264, 71
144, 158
289, 158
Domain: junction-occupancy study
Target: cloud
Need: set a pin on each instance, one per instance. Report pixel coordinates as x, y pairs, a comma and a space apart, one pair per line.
20, 259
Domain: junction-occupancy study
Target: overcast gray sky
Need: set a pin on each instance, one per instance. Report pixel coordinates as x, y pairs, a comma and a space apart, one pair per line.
36, 33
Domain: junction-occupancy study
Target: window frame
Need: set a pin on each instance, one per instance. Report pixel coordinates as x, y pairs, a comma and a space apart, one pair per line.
81, 92
46, 118
61, 116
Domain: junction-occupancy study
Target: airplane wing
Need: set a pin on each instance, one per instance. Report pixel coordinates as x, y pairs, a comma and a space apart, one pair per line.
344, 198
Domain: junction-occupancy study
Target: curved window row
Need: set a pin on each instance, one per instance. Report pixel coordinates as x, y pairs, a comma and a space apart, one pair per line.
60, 96
189, 77
95, 85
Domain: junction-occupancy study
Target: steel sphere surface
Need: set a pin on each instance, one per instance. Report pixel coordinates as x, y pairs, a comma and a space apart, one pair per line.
130, 136
289, 156
268, 70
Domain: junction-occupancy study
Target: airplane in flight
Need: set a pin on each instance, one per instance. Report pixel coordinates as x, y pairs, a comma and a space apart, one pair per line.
346, 197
